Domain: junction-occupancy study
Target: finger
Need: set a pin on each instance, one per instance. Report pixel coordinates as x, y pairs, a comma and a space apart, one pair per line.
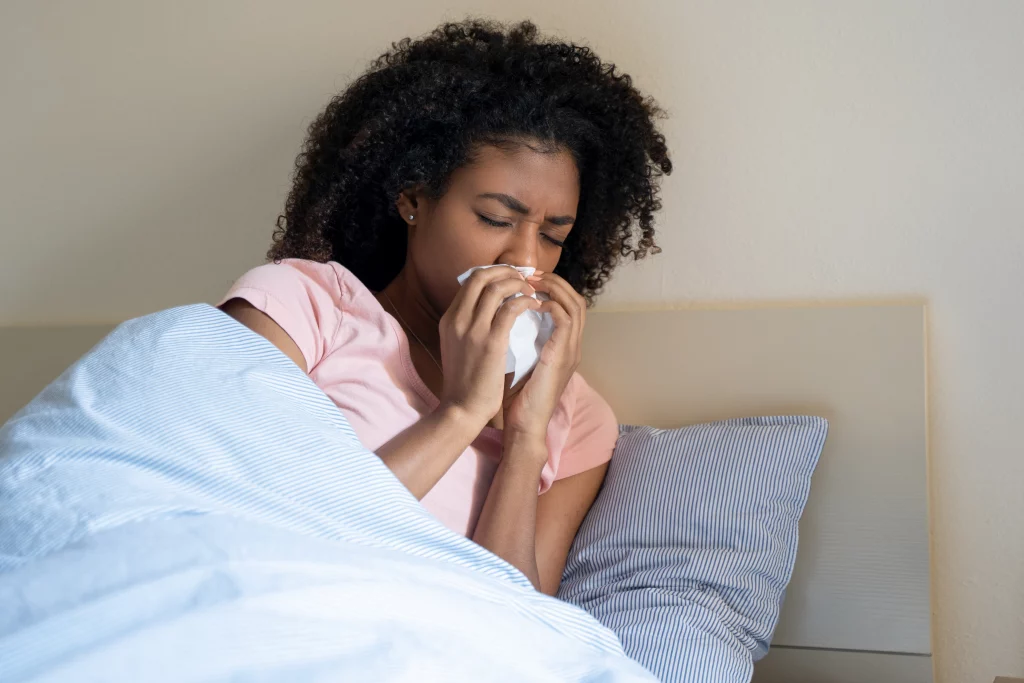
474, 284
562, 341
575, 304
464, 304
555, 285
493, 297
562, 292
506, 316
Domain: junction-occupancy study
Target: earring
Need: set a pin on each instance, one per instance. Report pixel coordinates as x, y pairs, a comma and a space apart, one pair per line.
411, 217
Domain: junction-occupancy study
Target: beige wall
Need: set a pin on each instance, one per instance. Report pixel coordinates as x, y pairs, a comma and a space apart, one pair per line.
824, 150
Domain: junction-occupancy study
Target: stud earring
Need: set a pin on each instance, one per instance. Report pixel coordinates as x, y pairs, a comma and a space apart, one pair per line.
411, 217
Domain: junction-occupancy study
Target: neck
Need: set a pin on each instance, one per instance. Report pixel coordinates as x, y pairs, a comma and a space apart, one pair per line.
414, 310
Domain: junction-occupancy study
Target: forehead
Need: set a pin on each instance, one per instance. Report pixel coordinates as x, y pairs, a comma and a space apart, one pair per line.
544, 181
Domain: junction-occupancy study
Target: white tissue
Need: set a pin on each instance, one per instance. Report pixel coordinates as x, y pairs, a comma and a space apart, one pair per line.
530, 332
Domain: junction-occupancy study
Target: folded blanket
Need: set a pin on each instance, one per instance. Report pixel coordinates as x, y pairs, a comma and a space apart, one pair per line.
184, 504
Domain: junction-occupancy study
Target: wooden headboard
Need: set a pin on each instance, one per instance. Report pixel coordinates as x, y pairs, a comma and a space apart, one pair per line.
857, 610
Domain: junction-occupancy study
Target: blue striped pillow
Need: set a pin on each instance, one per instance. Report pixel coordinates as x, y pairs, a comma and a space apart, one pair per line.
689, 547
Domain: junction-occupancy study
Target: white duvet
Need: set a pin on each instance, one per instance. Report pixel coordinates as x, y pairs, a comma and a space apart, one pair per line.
183, 504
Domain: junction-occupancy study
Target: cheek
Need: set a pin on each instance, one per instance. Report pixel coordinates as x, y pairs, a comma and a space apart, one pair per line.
548, 259
451, 242
444, 248
548, 256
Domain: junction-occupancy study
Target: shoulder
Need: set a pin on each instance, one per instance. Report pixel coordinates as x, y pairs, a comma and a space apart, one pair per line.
323, 289
291, 277
307, 299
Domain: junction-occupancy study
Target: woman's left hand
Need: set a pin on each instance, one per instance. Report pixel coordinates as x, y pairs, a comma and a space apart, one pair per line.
528, 412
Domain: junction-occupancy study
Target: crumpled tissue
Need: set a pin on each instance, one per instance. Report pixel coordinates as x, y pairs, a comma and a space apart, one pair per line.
530, 331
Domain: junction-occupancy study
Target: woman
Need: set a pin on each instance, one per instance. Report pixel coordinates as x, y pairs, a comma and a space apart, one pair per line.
477, 145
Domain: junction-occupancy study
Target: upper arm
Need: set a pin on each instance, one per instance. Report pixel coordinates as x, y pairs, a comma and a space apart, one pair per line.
262, 324
560, 512
295, 304
581, 469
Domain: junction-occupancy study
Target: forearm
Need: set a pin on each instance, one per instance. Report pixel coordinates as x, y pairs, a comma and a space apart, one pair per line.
420, 455
508, 522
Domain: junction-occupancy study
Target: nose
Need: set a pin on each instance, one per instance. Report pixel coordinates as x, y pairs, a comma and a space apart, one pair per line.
521, 247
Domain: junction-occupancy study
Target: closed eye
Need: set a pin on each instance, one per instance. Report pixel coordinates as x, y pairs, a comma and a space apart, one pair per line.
492, 222
503, 224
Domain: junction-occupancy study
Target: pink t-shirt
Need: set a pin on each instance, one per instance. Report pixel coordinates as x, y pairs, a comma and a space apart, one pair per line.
358, 354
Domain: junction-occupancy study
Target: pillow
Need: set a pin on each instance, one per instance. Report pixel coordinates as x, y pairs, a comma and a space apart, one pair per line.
688, 548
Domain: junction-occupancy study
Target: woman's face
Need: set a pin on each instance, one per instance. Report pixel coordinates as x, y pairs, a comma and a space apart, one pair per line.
513, 206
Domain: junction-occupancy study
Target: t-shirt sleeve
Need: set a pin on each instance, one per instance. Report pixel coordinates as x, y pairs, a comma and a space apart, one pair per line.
592, 434
302, 297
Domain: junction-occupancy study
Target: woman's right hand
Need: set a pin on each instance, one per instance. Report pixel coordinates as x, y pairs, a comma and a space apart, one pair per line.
474, 334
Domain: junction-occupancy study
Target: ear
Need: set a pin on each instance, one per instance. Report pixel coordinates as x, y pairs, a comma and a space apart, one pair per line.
408, 205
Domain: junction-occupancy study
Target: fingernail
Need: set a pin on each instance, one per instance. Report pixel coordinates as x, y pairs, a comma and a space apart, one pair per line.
533, 278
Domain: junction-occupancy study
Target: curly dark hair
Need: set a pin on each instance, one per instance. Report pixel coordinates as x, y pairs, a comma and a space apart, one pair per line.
424, 106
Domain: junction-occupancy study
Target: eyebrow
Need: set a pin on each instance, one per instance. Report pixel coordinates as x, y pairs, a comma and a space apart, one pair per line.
514, 204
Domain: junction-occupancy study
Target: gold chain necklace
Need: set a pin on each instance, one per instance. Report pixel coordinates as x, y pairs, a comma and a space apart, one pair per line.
409, 329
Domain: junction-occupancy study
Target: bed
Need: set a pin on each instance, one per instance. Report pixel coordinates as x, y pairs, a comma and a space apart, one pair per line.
858, 607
